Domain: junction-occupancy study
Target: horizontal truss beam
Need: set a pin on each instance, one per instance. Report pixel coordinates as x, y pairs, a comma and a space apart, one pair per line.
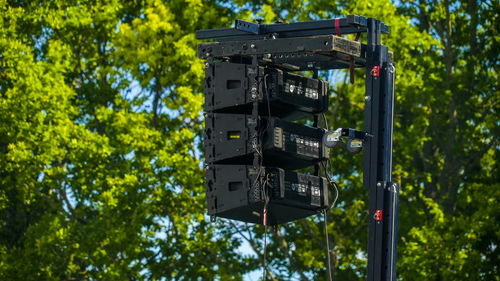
246, 31
314, 44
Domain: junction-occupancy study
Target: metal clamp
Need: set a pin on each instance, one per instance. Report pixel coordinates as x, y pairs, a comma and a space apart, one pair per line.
355, 138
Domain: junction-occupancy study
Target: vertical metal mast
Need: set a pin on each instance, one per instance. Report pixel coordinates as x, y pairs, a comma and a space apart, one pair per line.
379, 110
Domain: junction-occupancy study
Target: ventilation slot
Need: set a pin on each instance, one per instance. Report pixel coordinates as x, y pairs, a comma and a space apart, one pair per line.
233, 84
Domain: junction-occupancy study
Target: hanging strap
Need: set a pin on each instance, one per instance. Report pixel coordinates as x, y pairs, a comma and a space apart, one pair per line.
357, 36
351, 70
338, 32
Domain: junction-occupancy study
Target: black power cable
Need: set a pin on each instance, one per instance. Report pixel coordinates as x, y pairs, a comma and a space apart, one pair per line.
264, 215
327, 247
327, 168
265, 185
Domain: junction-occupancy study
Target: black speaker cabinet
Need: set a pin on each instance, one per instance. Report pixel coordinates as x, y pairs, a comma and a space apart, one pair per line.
232, 87
237, 192
232, 139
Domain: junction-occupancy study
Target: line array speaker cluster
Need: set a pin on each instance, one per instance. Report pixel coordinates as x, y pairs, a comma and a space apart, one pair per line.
253, 146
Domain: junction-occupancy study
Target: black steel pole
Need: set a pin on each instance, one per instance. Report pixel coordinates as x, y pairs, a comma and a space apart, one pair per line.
379, 108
